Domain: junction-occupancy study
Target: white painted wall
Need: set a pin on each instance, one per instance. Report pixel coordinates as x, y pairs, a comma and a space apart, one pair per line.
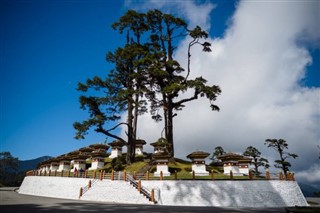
162, 168
234, 169
60, 187
244, 171
117, 191
227, 193
64, 166
179, 193
139, 150
79, 166
97, 164
54, 167
115, 152
200, 169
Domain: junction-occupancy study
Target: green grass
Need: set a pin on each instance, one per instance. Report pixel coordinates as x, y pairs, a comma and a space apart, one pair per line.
179, 166
135, 167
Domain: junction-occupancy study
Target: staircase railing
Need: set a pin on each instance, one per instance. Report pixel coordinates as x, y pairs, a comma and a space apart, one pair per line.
83, 190
143, 190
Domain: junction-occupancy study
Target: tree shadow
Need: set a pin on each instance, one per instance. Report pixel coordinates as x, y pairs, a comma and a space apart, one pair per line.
225, 193
79, 207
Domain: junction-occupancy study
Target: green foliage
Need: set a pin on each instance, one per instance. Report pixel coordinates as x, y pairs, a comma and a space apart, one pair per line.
257, 160
118, 163
216, 153
9, 175
144, 70
280, 146
139, 158
172, 170
153, 169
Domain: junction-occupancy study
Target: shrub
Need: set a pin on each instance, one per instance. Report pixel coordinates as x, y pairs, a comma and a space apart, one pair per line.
139, 158
188, 169
118, 163
174, 169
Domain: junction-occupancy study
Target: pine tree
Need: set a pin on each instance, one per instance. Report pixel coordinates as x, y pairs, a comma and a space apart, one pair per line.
280, 146
257, 160
167, 81
145, 70
121, 91
217, 152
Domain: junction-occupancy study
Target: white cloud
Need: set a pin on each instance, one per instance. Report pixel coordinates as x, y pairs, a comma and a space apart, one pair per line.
258, 64
193, 13
311, 175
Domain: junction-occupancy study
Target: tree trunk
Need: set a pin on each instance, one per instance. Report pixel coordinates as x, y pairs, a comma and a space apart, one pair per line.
130, 133
256, 165
284, 167
170, 127
134, 128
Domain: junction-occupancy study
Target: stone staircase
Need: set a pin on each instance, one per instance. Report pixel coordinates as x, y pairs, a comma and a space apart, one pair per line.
117, 191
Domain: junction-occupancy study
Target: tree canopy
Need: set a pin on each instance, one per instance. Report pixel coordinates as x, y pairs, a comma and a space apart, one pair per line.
257, 160
9, 174
280, 146
145, 71
216, 153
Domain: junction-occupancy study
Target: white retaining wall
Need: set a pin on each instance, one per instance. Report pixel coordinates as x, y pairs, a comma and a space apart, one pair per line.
227, 193
179, 193
60, 187
117, 191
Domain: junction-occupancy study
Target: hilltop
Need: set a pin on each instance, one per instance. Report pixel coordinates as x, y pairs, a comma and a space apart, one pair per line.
25, 165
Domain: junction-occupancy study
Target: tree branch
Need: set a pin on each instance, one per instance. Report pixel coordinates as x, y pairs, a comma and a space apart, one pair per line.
113, 128
106, 132
177, 104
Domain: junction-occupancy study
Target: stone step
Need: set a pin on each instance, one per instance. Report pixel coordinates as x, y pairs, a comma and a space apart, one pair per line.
115, 191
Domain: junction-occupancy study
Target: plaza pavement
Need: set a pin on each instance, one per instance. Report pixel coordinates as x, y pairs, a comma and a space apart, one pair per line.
13, 202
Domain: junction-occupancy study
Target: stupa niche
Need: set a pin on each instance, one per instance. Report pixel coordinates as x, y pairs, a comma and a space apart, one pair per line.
238, 164
79, 162
54, 165
116, 148
161, 159
198, 162
64, 163
45, 166
98, 155
159, 146
139, 146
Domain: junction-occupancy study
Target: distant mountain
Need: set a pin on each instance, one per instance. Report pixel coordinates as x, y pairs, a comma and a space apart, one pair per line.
25, 165
308, 190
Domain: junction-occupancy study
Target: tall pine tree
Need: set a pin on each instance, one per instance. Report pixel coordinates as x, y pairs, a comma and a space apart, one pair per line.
167, 79
145, 70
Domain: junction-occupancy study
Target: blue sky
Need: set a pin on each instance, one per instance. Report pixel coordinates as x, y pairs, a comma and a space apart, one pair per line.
49, 46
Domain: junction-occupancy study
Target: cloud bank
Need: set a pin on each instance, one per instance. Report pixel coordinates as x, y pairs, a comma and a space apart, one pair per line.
259, 64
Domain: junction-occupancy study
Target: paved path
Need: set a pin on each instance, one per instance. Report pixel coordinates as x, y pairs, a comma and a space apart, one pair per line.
12, 202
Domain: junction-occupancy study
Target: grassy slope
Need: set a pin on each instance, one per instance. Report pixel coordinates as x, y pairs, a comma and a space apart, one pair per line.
182, 167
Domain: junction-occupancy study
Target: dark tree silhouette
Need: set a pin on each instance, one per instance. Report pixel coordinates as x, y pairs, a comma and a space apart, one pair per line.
257, 160
145, 70
216, 153
280, 146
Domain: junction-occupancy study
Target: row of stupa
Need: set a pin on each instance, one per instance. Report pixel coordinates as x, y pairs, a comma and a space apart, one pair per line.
238, 164
97, 153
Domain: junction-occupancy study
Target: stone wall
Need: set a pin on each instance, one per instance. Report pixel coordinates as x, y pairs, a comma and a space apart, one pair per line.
60, 187
227, 193
117, 191
180, 193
